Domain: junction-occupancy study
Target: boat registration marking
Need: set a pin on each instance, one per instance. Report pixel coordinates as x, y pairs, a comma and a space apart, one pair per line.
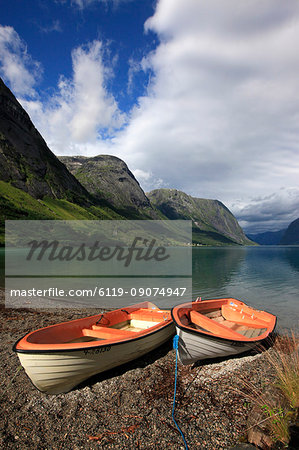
95, 351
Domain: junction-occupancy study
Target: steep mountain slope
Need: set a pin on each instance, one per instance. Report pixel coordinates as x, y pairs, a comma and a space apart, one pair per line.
291, 236
25, 159
213, 223
109, 178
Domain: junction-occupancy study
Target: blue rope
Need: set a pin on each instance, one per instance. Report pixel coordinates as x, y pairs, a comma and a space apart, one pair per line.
175, 346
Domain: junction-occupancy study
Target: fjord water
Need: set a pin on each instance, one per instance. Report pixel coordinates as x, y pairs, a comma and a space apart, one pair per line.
265, 277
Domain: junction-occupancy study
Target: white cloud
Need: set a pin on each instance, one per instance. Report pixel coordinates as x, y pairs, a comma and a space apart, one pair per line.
16, 65
94, 106
82, 111
273, 212
147, 179
141, 175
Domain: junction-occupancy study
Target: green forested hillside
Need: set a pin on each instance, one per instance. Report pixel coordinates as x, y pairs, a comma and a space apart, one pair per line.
17, 204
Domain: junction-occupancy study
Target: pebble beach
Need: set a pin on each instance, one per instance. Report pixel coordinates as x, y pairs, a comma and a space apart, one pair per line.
129, 407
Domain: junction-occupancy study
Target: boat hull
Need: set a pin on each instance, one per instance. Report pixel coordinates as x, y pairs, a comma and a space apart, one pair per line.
219, 328
195, 347
55, 372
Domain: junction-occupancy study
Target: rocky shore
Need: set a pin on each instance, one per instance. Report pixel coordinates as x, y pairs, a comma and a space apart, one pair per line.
128, 407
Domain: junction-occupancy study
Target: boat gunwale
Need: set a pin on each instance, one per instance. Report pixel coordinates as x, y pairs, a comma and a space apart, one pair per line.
217, 337
98, 344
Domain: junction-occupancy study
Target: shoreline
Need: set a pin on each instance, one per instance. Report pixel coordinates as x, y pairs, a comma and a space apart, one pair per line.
127, 407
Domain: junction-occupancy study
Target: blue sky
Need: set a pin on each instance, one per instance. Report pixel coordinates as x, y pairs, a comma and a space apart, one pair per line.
194, 95
51, 30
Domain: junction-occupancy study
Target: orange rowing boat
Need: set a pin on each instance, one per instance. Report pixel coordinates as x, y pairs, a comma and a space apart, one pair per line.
219, 327
59, 357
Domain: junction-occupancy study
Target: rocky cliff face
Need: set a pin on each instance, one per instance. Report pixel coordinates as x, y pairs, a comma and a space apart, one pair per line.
291, 235
26, 162
211, 219
109, 178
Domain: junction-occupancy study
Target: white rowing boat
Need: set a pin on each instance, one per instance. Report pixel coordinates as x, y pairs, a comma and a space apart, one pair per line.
59, 357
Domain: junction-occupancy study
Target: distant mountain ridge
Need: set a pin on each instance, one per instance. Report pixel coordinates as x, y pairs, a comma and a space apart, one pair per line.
287, 236
35, 184
212, 221
268, 237
291, 235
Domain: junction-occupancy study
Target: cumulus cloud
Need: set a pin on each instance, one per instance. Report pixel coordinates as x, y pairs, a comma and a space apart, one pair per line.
94, 106
82, 111
16, 65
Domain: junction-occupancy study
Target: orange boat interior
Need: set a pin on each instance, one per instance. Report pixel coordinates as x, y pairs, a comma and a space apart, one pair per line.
107, 328
227, 318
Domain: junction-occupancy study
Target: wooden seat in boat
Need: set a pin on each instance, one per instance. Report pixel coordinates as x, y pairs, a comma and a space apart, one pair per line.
211, 326
226, 328
105, 332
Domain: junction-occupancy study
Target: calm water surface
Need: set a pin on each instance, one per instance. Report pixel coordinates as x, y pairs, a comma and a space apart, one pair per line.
266, 277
